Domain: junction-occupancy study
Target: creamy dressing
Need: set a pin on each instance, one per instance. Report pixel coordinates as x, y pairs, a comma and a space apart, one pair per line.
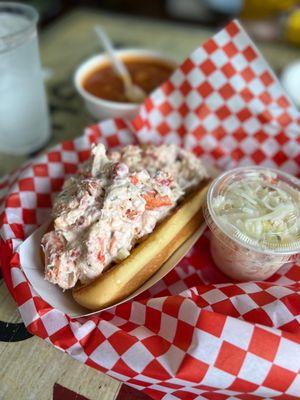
253, 213
111, 203
265, 212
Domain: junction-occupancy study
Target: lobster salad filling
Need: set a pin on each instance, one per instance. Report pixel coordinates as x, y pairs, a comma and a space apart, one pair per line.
112, 203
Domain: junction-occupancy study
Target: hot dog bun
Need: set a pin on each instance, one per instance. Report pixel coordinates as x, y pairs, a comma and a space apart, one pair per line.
146, 258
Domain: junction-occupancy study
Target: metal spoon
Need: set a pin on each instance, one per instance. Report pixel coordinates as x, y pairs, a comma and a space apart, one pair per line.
134, 93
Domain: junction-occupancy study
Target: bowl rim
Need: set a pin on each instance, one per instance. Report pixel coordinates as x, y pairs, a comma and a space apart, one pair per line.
95, 59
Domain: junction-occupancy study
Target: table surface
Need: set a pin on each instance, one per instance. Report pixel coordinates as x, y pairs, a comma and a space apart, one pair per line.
30, 368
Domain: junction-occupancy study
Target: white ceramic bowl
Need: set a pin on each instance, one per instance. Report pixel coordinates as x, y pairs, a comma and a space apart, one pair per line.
101, 108
290, 80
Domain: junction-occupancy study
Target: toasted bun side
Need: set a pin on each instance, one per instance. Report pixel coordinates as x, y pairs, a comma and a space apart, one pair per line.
145, 259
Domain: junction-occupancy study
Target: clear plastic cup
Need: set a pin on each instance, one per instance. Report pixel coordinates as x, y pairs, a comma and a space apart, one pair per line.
24, 119
241, 255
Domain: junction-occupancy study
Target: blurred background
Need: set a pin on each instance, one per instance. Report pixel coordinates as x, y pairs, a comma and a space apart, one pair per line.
267, 20
172, 27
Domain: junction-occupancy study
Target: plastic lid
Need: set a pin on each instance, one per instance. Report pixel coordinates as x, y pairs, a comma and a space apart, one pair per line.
256, 207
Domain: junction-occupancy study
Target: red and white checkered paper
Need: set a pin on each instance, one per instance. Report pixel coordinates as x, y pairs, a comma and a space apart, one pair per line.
195, 334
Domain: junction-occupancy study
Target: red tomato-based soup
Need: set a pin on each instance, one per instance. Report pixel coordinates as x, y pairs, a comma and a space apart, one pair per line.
148, 73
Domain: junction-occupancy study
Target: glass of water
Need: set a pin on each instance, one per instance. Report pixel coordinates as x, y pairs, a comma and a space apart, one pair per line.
24, 119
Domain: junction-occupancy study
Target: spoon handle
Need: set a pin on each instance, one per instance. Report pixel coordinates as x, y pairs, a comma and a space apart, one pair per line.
117, 63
